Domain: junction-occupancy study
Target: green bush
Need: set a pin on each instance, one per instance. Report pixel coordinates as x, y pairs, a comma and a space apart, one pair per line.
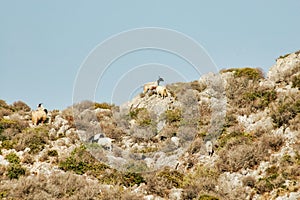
286, 109
207, 197
296, 81
15, 170
260, 99
130, 179
103, 105
173, 115
81, 161
52, 153
7, 144
35, 138
12, 158
141, 115
173, 177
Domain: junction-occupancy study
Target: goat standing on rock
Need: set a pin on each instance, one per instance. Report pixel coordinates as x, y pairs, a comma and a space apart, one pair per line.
152, 85
162, 91
39, 115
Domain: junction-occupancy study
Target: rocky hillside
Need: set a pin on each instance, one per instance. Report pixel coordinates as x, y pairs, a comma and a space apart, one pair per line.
232, 135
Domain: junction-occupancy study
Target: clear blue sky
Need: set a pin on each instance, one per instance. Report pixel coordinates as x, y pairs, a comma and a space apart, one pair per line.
43, 43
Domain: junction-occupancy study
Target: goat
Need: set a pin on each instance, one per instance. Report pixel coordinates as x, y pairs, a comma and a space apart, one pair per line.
162, 91
152, 85
209, 148
39, 115
104, 142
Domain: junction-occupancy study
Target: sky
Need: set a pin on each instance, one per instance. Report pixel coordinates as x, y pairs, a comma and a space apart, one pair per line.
44, 45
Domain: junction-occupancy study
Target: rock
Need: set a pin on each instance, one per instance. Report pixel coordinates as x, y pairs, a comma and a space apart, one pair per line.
3, 161
175, 140
290, 196
175, 194
285, 66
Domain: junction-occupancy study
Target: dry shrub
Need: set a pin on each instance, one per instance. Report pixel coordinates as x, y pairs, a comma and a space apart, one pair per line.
295, 123
249, 181
5, 109
196, 146
173, 116
111, 130
285, 109
142, 134
117, 192
56, 186
84, 105
20, 106
242, 153
205, 113
33, 138
195, 85
296, 81
249, 73
68, 114
104, 114
103, 105
28, 159
201, 181
244, 94
168, 131
161, 182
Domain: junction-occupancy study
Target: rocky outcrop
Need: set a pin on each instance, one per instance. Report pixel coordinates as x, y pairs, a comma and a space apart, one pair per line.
285, 67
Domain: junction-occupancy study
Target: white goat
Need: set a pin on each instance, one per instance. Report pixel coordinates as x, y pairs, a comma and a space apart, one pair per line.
209, 148
152, 85
162, 91
104, 142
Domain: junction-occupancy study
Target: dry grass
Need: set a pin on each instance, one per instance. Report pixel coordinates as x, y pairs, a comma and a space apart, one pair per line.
56, 186
243, 153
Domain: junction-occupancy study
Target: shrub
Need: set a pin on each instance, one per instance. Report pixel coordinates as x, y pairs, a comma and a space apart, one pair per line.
11, 127
296, 81
52, 153
3, 104
207, 197
34, 138
172, 177
84, 105
162, 181
54, 186
249, 181
142, 116
103, 106
81, 161
243, 153
285, 109
20, 106
173, 116
12, 158
130, 179
201, 181
127, 179
249, 73
269, 183
118, 192
7, 144
195, 85
260, 99
15, 170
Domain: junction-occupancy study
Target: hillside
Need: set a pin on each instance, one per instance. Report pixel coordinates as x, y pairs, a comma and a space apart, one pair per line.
232, 135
